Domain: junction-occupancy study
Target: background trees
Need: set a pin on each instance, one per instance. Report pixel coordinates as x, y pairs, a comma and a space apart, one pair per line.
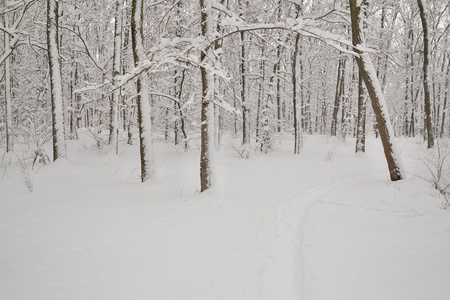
273, 78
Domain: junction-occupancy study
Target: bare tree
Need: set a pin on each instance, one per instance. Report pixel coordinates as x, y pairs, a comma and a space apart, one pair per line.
373, 86
207, 166
142, 86
426, 87
117, 58
59, 143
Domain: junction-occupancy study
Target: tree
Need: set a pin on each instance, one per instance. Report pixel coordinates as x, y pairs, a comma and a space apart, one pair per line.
207, 166
426, 87
296, 77
59, 143
8, 94
244, 86
142, 87
361, 121
374, 89
117, 58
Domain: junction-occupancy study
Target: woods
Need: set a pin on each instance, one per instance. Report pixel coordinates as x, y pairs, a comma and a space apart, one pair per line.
189, 72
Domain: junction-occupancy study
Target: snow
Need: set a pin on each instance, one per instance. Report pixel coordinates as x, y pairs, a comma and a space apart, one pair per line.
326, 224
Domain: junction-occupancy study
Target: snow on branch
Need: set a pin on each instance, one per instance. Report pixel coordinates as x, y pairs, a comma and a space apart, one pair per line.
184, 50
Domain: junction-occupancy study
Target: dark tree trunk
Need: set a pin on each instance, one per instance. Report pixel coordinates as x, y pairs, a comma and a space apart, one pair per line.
207, 168
376, 96
143, 103
59, 144
361, 122
426, 86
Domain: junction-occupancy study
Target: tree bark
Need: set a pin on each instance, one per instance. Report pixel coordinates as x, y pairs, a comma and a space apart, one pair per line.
337, 98
295, 96
374, 89
143, 99
244, 91
8, 94
426, 87
361, 122
117, 59
59, 143
444, 109
207, 166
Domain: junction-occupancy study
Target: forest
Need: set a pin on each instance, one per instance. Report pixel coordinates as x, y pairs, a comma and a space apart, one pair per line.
249, 115
291, 67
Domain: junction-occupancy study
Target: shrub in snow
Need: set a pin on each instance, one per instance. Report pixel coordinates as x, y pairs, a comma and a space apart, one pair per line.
329, 156
438, 164
25, 174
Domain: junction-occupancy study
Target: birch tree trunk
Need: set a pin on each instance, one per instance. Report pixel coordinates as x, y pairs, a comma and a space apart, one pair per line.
59, 143
374, 89
143, 99
117, 58
426, 86
207, 166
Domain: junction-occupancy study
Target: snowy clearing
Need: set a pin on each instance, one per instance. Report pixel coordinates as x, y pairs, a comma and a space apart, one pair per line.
327, 224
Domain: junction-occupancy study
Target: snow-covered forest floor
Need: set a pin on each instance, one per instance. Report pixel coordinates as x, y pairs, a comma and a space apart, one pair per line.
326, 224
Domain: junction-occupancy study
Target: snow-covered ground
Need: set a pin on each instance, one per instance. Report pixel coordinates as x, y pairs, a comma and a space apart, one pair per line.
327, 224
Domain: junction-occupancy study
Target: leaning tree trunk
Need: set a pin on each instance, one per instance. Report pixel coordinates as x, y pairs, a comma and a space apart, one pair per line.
59, 143
374, 89
143, 101
117, 58
207, 168
426, 86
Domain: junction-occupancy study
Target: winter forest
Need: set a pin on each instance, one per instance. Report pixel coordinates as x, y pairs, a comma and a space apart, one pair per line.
224, 149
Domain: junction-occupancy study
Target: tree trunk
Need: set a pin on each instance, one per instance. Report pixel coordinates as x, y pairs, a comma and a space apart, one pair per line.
8, 94
412, 131
337, 98
376, 96
179, 109
444, 109
59, 143
295, 77
426, 86
261, 96
217, 117
207, 166
361, 122
244, 92
117, 58
143, 101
